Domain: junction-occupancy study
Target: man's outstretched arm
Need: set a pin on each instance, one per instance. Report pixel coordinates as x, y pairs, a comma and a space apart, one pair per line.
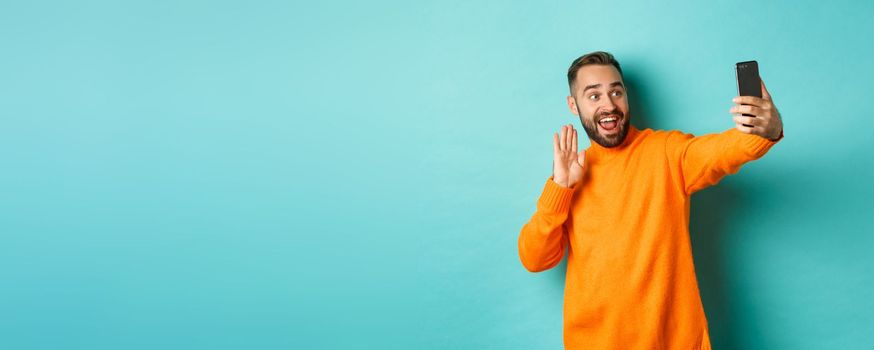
705, 160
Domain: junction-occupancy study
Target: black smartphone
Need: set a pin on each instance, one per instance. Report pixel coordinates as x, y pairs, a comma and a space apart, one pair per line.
748, 81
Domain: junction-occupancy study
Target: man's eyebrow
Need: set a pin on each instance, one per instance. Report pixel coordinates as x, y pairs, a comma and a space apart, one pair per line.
595, 86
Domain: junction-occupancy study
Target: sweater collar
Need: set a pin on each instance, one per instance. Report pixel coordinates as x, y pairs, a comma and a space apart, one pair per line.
601, 152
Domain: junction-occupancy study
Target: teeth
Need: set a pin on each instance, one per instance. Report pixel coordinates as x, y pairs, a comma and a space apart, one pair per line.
607, 120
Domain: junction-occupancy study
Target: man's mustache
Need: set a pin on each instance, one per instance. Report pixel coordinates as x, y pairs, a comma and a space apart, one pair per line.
614, 112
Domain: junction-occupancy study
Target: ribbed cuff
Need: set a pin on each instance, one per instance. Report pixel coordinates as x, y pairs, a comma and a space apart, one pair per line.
757, 145
555, 198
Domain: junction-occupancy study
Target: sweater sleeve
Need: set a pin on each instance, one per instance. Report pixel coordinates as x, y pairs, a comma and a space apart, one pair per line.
704, 160
544, 237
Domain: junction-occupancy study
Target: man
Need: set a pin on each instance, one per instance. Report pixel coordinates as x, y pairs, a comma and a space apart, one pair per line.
621, 207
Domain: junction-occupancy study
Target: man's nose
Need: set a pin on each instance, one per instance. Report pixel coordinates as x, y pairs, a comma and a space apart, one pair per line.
609, 105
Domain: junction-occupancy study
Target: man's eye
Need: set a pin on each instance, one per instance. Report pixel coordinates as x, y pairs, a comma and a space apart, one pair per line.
593, 97
617, 93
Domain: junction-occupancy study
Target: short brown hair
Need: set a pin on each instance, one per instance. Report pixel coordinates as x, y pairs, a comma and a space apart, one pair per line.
597, 57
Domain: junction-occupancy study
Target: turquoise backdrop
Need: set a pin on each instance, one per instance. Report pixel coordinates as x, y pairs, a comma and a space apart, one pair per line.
354, 175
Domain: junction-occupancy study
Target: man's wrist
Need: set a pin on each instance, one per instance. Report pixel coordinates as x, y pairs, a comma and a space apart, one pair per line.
778, 137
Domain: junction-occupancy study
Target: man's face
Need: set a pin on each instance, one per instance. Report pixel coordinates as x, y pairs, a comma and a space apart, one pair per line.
599, 100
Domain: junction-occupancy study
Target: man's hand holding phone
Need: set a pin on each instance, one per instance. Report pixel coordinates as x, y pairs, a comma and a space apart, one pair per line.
765, 120
567, 164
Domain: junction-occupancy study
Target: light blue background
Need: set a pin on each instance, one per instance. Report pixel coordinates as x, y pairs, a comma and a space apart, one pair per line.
354, 175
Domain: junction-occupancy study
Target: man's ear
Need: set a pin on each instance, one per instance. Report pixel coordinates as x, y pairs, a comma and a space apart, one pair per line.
572, 104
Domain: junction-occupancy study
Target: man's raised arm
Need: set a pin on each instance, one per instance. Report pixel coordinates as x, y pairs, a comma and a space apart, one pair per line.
544, 237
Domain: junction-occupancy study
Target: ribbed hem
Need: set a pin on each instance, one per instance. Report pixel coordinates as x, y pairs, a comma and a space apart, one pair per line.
555, 198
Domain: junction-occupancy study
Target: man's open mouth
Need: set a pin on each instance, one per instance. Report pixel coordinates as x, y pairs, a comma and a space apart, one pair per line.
610, 122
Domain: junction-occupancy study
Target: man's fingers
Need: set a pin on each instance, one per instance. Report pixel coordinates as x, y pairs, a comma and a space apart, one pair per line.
574, 144
765, 94
739, 119
570, 131
755, 130
749, 100
746, 109
565, 139
555, 148
744, 129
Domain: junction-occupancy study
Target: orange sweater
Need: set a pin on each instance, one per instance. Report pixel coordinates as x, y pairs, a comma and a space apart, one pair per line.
630, 280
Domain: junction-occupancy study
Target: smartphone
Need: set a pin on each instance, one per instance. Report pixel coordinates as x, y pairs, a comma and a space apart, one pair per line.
748, 81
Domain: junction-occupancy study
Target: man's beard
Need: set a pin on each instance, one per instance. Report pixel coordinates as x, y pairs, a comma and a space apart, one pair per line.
591, 127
